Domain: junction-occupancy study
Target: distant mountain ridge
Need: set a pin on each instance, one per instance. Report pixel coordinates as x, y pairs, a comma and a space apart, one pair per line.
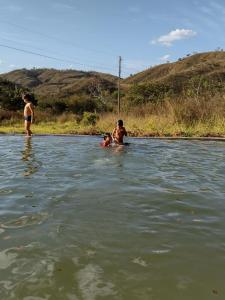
176, 76
63, 83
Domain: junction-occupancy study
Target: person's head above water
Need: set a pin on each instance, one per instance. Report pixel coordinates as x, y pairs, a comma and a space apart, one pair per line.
107, 140
119, 123
107, 136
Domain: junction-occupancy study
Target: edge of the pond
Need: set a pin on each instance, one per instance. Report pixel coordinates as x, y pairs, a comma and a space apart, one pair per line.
222, 139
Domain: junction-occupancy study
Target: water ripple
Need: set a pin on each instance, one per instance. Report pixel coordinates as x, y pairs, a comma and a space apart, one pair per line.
81, 222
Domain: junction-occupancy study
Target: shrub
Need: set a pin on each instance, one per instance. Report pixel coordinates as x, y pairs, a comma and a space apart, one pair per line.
147, 92
6, 115
66, 117
89, 118
11, 96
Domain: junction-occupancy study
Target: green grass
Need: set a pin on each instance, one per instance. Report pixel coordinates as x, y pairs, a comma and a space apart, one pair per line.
48, 128
154, 125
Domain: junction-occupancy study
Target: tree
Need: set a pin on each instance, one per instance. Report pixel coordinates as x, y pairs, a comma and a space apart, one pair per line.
11, 96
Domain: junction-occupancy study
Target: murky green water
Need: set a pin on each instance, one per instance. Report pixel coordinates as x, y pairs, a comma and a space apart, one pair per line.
79, 222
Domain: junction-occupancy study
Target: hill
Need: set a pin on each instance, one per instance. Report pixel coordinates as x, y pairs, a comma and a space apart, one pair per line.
176, 76
51, 82
209, 64
200, 75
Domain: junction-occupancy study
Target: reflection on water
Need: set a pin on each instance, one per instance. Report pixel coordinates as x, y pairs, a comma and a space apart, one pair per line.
28, 157
142, 222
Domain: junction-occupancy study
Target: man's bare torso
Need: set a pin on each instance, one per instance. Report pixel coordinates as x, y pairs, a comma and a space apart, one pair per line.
118, 134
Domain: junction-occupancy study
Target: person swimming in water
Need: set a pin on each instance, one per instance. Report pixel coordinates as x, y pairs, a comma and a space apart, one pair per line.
107, 140
119, 132
28, 114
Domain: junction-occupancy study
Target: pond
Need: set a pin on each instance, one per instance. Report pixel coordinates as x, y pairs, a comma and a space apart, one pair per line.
79, 222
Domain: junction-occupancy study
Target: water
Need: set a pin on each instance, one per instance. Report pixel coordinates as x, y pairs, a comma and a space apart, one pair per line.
78, 222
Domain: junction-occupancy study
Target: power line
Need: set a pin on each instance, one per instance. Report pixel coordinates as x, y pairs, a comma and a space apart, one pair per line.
39, 49
23, 44
51, 57
62, 60
57, 39
73, 45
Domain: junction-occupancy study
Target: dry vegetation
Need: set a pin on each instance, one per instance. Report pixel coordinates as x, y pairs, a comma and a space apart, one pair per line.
187, 117
185, 98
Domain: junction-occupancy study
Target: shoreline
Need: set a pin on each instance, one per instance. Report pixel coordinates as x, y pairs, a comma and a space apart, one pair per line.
200, 138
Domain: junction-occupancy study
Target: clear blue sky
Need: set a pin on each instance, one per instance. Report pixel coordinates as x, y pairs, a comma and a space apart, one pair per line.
91, 34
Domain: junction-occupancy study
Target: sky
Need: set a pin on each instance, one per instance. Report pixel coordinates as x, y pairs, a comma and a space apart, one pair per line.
92, 34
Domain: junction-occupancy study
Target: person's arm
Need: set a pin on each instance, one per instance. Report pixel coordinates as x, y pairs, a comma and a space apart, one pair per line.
125, 132
113, 133
32, 113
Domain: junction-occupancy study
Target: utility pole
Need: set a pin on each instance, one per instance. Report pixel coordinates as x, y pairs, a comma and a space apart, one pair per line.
120, 60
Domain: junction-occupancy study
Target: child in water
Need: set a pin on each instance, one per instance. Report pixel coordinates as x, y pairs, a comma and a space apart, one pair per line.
119, 132
107, 140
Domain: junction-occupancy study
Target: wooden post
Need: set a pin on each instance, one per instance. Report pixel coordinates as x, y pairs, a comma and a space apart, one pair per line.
120, 60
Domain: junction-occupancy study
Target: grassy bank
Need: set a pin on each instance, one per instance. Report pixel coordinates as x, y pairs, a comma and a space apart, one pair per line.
136, 126
185, 117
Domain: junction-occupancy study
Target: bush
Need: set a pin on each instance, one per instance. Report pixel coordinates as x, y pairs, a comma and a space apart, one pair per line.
6, 115
55, 106
76, 104
11, 96
147, 92
66, 117
80, 104
89, 118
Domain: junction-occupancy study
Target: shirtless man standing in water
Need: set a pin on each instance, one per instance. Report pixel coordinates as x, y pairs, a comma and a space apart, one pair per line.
28, 114
119, 132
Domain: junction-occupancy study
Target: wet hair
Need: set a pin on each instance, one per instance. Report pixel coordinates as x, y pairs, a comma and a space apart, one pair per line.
27, 97
107, 135
120, 122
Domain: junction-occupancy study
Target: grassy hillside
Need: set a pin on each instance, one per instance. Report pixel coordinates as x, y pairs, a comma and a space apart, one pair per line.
197, 76
211, 64
193, 75
68, 90
51, 82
